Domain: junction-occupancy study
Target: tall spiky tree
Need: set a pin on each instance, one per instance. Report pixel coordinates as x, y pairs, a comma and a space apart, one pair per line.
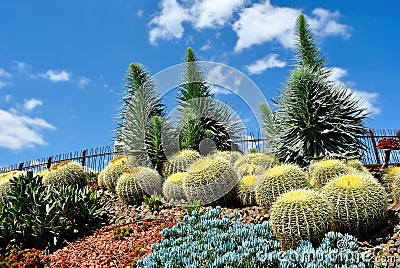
201, 115
315, 116
142, 121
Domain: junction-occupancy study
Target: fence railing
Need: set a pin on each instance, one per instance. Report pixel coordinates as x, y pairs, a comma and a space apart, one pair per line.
94, 160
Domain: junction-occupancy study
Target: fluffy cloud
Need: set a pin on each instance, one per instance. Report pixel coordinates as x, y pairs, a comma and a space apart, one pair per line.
19, 131
83, 82
4, 74
268, 62
32, 104
56, 76
200, 14
367, 100
267, 19
224, 80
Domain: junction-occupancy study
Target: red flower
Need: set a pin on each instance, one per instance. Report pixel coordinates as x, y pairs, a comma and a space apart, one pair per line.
389, 143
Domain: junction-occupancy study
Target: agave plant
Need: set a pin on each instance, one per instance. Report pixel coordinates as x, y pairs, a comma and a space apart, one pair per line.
315, 116
201, 116
142, 122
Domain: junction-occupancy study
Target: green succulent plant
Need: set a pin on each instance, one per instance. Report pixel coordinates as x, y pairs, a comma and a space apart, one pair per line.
173, 187
5, 186
134, 184
360, 203
245, 190
260, 159
301, 215
210, 180
109, 176
279, 180
250, 169
179, 162
321, 172
65, 173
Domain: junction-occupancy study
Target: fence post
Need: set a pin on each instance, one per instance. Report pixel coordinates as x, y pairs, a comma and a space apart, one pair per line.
49, 162
371, 132
21, 166
84, 152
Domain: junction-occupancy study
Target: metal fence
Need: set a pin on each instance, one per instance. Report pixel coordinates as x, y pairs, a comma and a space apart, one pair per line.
94, 160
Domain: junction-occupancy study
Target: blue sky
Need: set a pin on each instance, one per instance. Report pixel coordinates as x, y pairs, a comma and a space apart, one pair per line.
62, 63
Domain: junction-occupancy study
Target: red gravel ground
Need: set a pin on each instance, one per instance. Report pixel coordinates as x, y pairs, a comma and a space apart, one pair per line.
103, 249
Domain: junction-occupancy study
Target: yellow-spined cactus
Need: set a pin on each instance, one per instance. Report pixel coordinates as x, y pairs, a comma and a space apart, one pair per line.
210, 179
260, 159
321, 172
179, 162
173, 187
133, 184
389, 174
357, 165
108, 177
65, 173
396, 188
250, 169
245, 190
231, 156
279, 180
360, 203
5, 183
301, 215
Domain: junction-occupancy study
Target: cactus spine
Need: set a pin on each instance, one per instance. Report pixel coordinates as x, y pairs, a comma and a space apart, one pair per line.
301, 215
321, 172
246, 190
109, 176
260, 159
210, 179
179, 162
396, 188
279, 180
360, 203
65, 173
173, 187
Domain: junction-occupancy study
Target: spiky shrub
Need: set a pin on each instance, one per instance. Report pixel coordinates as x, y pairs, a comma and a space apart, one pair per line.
301, 215
180, 162
210, 179
360, 203
109, 176
173, 187
389, 174
5, 186
321, 172
315, 117
250, 169
201, 116
396, 188
259, 159
279, 180
133, 184
245, 190
65, 173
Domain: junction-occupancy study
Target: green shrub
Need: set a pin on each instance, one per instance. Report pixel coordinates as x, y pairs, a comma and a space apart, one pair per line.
279, 180
360, 203
5, 186
210, 179
180, 162
173, 187
39, 216
153, 202
321, 172
65, 173
301, 215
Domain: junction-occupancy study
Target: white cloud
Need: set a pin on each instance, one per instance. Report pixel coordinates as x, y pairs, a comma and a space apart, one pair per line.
83, 82
3, 84
213, 14
262, 23
7, 98
168, 24
206, 46
20, 66
224, 79
4, 74
268, 62
139, 13
32, 104
367, 100
19, 131
323, 23
57, 76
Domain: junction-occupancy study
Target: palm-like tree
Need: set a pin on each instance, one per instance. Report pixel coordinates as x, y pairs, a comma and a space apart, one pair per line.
315, 116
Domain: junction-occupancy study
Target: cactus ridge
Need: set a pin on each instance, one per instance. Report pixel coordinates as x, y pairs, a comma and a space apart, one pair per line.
301, 215
396, 188
360, 203
109, 176
246, 190
321, 172
259, 159
210, 179
179, 162
173, 187
65, 173
279, 180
